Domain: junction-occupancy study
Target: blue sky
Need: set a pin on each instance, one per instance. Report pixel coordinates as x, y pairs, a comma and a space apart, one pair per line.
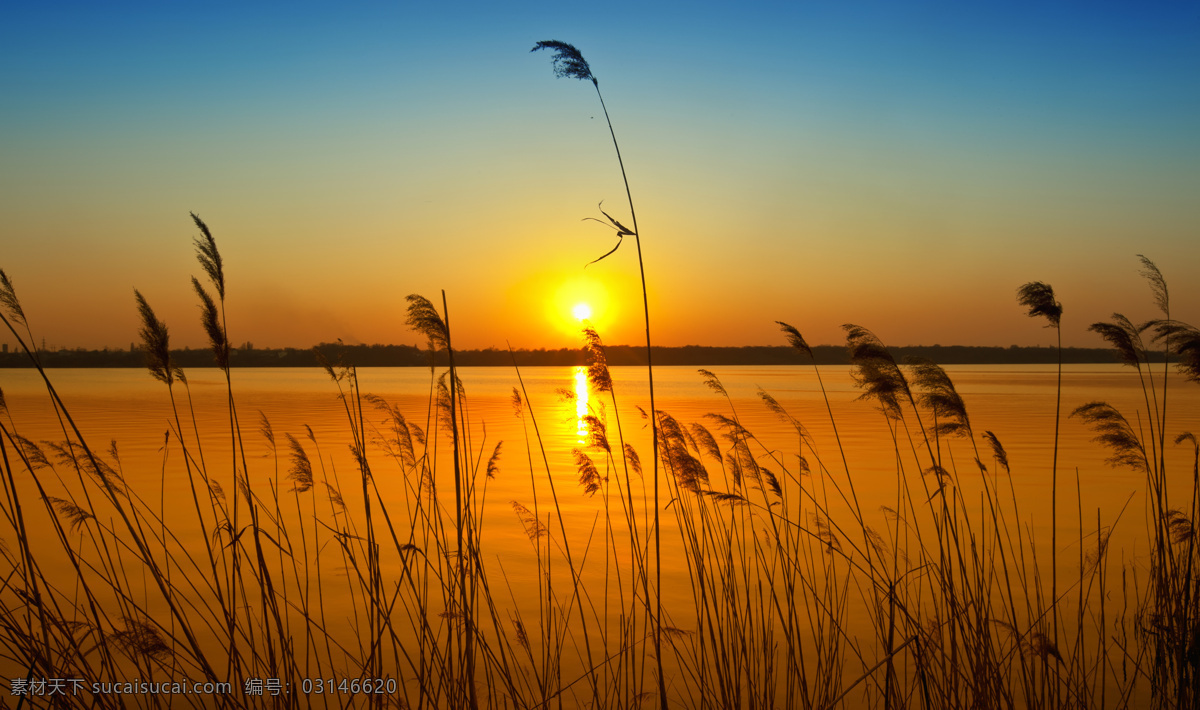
905, 166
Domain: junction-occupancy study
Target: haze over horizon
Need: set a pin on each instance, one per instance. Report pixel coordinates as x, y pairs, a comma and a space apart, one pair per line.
905, 168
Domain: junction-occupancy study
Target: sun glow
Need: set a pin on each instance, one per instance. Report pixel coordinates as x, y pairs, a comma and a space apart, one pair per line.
579, 299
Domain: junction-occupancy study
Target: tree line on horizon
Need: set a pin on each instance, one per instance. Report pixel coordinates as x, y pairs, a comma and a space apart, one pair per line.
619, 355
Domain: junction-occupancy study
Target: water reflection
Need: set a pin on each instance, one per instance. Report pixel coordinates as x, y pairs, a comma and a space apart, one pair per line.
581, 404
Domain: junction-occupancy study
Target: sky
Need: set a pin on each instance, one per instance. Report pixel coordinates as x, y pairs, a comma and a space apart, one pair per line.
902, 166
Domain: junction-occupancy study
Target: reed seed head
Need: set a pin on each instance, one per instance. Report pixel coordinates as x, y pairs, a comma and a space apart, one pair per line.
1124, 337
73, 513
1158, 285
568, 61
711, 381
301, 470
589, 475
997, 449
795, 339
424, 318
1038, 297
211, 320
937, 392
875, 370
635, 462
493, 464
1113, 431
534, 529
209, 257
8, 300
1184, 341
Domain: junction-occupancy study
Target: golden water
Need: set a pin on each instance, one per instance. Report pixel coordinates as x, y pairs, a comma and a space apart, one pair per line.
1017, 403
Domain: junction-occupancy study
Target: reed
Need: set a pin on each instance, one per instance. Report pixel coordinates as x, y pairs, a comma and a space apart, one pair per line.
569, 62
794, 593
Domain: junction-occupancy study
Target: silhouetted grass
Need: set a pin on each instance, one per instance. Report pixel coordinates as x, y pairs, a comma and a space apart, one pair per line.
785, 571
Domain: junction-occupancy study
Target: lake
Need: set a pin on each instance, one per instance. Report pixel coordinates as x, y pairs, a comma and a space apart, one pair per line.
599, 532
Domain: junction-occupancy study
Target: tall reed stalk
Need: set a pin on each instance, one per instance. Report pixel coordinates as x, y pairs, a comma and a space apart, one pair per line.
569, 62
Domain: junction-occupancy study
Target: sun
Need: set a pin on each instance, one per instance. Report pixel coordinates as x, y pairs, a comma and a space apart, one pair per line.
582, 311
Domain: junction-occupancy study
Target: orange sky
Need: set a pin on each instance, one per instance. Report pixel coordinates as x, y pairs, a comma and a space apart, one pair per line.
812, 165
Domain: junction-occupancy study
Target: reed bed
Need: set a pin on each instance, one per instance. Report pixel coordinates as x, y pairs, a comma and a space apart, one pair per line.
299, 582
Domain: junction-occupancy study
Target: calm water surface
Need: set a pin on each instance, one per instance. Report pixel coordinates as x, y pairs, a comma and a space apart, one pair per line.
1017, 403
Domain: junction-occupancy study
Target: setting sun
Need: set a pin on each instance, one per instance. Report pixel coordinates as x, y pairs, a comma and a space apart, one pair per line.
582, 311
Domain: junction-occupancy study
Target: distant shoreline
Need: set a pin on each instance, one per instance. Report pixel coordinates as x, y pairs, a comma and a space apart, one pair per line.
689, 355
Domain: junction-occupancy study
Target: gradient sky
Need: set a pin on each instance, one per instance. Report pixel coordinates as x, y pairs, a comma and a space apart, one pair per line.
904, 166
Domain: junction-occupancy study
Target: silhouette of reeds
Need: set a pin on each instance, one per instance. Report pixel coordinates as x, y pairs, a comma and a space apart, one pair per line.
568, 62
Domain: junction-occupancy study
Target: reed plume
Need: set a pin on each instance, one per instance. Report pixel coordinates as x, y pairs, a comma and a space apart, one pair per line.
875, 370
493, 463
210, 319
1125, 338
9, 301
1158, 284
209, 257
597, 361
1038, 297
1184, 342
424, 318
1113, 431
795, 339
76, 515
997, 450
568, 62
938, 394
301, 470
589, 476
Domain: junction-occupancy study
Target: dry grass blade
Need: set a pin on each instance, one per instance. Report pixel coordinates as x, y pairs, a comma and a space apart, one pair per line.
621, 230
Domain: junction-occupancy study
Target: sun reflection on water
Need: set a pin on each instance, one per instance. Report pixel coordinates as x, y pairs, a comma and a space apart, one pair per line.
581, 403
